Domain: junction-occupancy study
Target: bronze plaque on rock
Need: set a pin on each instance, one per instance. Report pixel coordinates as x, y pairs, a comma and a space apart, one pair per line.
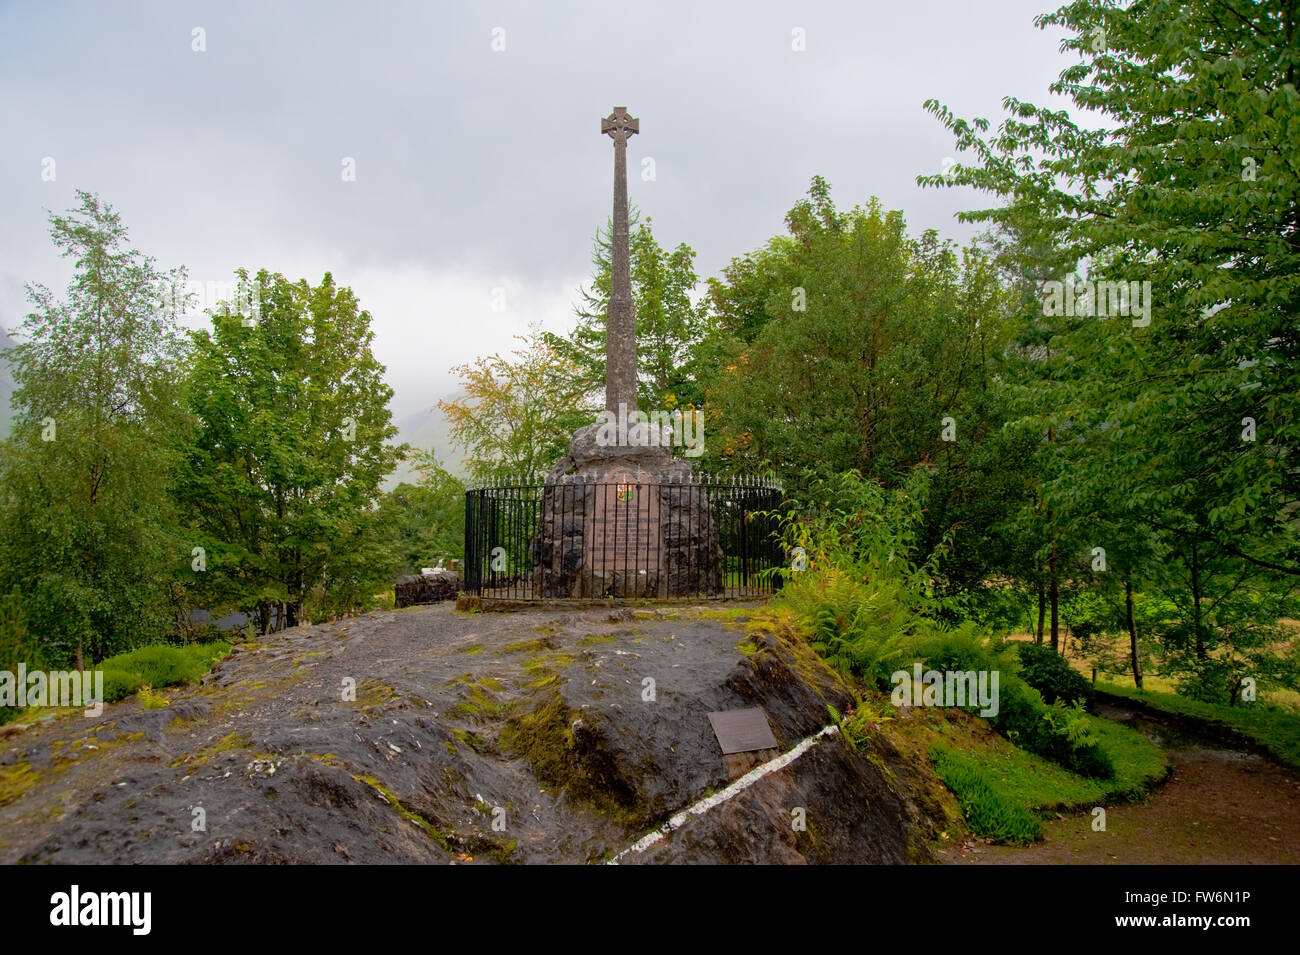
742, 731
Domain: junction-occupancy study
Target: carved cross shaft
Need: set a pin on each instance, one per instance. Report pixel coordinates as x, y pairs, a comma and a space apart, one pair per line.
620, 319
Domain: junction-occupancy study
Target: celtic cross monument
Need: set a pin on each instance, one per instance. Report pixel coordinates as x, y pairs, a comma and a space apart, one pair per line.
620, 318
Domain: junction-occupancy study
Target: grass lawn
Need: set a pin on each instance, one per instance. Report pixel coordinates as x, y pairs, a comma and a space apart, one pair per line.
1002, 789
1274, 727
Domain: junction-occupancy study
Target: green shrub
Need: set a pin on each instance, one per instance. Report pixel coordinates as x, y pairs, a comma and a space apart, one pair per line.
1055, 732
991, 779
866, 604
1069, 741
119, 685
858, 627
157, 666
161, 665
1048, 672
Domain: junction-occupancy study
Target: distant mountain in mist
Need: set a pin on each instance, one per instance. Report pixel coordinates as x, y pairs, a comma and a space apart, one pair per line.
424, 430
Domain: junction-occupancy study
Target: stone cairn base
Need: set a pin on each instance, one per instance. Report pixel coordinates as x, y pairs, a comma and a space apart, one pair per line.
671, 547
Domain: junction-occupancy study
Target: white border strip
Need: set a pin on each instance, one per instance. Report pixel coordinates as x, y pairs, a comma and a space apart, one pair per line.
735, 789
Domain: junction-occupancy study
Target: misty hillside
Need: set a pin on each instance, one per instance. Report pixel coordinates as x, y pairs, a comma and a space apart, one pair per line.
424, 430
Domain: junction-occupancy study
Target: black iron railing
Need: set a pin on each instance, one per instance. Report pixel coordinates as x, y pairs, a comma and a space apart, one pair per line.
695, 537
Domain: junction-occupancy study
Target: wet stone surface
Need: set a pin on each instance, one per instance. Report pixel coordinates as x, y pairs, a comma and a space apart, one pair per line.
540, 722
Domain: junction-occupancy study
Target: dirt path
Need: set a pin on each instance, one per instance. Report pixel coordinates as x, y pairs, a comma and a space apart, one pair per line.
1220, 806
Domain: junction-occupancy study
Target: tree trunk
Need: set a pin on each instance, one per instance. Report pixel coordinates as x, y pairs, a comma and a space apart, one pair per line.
1132, 633
1196, 602
1042, 611
1055, 595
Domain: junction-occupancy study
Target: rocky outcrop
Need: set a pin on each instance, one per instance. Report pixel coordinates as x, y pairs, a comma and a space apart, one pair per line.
431, 736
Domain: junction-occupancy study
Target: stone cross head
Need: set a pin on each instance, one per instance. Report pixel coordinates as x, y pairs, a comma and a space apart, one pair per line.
620, 125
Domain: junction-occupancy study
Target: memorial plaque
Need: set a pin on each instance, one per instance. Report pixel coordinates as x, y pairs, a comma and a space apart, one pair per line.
625, 534
742, 731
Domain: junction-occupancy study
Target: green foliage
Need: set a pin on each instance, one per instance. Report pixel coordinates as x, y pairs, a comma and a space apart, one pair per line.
1003, 785
866, 606
290, 448
858, 725
1054, 732
427, 518
17, 645
1051, 675
1170, 436
158, 666
856, 627
670, 330
861, 345
1091, 612
149, 699
848, 345
516, 415
87, 530
863, 595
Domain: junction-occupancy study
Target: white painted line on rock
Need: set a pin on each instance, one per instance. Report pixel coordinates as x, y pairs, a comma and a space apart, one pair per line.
735, 789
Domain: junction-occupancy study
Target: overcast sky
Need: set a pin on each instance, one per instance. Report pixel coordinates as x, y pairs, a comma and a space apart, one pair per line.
478, 168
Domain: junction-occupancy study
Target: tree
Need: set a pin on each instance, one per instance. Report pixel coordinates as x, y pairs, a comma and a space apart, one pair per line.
669, 327
1184, 411
86, 526
850, 345
283, 473
428, 517
871, 340
516, 416
1196, 192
